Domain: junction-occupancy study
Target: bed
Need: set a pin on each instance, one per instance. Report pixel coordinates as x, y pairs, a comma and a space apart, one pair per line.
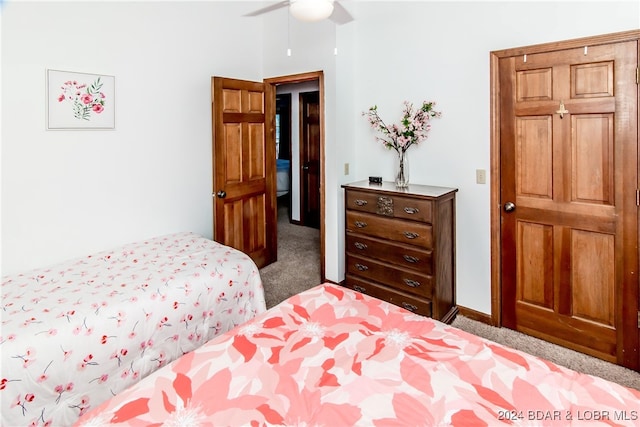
77, 333
330, 356
282, 177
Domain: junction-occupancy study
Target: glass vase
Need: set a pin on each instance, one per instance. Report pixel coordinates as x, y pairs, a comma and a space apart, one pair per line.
402, 170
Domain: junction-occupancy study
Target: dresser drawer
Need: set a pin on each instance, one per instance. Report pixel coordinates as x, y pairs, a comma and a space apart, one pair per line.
409, 302
390, 275
394, 253
409, 232
392, 206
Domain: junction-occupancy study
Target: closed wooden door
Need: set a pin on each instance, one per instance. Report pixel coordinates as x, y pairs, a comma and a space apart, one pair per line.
310, 158
568, 189
244, 215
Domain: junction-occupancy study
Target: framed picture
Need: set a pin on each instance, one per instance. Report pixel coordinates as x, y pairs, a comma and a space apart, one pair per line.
80, 100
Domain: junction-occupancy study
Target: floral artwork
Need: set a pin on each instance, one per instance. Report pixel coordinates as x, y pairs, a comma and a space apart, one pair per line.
85, 99
80, 101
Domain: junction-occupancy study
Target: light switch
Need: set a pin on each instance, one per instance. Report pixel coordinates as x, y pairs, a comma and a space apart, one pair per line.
346, 168
481, 176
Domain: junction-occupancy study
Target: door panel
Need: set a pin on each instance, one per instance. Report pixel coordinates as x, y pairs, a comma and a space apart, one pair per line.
592, 150
568, 145
244, 193
310, 158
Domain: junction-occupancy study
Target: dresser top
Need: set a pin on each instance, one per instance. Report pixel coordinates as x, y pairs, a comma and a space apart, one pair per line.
412, 189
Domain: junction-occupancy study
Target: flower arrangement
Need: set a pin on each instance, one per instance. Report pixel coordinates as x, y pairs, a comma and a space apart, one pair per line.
84, 99
413, 128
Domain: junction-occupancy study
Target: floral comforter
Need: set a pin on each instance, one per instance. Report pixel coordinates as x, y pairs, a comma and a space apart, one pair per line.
333, 357
77, 333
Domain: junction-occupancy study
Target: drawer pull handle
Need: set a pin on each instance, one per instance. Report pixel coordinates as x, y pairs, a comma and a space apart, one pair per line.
360, 246
412, 283
410, 235
362, 267
360, 202
410, 258
359, 289
360, 224
411, 211
409, 307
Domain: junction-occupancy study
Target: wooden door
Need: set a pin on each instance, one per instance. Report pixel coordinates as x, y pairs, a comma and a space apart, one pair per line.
310, 158
568, 189
244, 215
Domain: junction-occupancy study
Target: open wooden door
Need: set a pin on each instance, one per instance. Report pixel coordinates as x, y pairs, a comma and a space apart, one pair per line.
568, 143
310, 158
244, 214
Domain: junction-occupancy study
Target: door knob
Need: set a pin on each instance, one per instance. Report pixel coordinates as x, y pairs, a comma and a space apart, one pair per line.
221, 194
509, 207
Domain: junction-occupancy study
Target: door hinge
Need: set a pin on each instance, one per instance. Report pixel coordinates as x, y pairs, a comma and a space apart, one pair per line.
637, 75
637, 197
639, 319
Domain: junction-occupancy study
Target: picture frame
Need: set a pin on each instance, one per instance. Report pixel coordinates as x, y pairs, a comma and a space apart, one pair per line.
81, 101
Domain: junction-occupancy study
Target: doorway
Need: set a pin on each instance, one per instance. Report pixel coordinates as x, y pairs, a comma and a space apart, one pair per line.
296, 167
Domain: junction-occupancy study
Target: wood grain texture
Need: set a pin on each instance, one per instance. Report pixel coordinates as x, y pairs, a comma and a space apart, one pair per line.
565, 151
400, 245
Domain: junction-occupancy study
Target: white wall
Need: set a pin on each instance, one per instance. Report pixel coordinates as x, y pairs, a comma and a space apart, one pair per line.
67, 193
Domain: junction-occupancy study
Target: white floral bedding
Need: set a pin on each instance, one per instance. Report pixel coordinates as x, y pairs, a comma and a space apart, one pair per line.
77, 333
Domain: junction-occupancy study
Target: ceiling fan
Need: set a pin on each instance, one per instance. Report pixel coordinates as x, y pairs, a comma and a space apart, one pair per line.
311, 10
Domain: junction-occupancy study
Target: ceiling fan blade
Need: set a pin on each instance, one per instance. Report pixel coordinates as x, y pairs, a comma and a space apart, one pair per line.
278, 5
340, 15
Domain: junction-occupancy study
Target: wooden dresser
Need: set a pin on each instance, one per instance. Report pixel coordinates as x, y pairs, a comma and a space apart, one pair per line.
400, 245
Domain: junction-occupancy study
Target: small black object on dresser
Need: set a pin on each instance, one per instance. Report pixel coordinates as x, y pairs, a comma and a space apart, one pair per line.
400, 245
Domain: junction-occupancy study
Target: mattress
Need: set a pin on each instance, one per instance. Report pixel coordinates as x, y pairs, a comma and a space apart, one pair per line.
330, 356
77, 333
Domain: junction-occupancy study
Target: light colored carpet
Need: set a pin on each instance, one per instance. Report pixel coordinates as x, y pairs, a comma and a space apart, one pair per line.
298, 269
298, 264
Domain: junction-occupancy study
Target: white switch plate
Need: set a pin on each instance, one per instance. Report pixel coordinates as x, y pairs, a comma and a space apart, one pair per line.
481, 176
346, 168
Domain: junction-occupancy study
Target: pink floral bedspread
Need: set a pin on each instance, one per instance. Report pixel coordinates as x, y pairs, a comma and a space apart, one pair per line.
77, 333
333, 357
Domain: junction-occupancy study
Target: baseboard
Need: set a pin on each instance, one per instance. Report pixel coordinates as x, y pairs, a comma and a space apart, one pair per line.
475, 315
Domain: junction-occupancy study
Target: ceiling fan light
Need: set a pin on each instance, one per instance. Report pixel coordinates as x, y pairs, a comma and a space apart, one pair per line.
311, 10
